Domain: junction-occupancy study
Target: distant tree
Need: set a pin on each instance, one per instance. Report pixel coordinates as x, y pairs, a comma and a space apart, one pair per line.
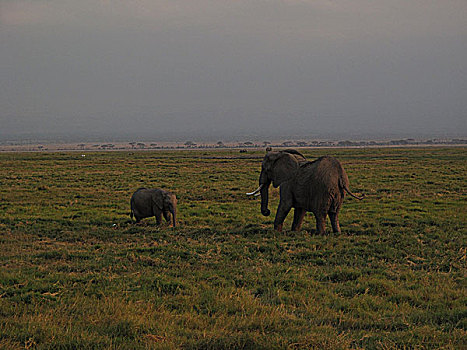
301, 143
141, 145
190, 144
132, 144
220, 144
248, 143
287, 143
82, 145
153, 144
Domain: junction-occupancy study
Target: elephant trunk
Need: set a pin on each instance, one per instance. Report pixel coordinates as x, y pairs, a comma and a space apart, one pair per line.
174, 213
264, 184
264, 201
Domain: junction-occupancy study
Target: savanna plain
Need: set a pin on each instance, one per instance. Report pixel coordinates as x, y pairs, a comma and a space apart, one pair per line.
76, 273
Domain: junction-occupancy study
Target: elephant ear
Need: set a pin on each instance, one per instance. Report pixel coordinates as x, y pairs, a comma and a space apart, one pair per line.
283, 168
158, 199
169, 199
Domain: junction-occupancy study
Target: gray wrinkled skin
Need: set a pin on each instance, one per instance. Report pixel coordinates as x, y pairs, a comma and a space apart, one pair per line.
147, 202
316, 187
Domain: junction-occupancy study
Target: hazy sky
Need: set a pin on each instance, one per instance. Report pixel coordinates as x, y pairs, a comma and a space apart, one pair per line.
244, 67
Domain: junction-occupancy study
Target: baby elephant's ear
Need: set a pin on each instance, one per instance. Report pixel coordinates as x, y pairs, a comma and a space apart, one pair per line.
169, 199
158, 199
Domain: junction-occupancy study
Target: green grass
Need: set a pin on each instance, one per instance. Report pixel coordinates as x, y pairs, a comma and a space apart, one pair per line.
76, 273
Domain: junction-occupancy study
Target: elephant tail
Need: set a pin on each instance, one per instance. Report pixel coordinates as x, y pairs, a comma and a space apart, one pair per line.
131, 208
350, 193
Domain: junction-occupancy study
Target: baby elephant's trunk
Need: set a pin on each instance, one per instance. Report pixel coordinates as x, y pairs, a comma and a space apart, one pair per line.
173, 212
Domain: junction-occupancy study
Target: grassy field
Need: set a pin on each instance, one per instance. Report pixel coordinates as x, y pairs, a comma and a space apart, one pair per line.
76, 273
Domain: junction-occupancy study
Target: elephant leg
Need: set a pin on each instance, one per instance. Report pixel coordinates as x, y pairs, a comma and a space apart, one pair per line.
335, 222
320, 223
158, 215
281, 214
298, 215
166, 216
135, 215
285, 204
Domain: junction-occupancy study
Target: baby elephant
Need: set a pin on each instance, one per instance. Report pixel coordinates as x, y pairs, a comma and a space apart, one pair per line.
147, 202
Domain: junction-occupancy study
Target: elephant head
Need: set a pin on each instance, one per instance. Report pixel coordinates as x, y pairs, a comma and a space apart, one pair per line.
167, 203
277, 167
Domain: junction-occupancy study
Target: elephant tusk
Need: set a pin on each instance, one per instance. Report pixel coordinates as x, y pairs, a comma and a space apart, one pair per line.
255, 192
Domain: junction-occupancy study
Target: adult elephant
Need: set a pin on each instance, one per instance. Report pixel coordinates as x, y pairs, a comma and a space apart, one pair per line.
147, 202
316, 187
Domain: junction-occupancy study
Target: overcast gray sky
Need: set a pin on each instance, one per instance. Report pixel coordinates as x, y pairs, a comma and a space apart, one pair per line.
239, 67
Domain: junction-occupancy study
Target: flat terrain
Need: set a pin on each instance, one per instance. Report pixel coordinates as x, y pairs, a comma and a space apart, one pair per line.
76, 273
